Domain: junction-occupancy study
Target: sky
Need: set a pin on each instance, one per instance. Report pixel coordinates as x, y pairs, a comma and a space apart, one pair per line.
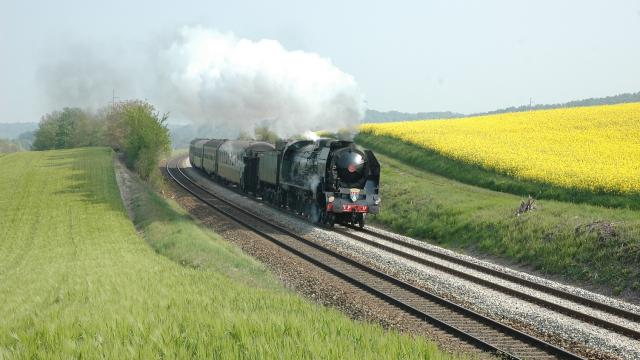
462, 56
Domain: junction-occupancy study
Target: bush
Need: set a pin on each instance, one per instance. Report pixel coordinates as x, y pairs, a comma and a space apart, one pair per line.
69, 128
135, 128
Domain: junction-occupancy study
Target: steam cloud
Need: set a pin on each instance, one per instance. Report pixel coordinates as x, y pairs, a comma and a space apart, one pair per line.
221, 82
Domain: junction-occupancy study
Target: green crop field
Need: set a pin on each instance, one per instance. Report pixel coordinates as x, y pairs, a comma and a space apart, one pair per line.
78, 280
423, 196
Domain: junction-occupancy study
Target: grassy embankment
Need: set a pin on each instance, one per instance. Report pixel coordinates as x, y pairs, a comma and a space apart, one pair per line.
424, 196
78, 281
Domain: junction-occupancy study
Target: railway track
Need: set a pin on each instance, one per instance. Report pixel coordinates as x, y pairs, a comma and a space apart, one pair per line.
479, 330
404, 248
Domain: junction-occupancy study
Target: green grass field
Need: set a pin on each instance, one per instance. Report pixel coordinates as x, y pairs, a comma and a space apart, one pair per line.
553, 238
78, 280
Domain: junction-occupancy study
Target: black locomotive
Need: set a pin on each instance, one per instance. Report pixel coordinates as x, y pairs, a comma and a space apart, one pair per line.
329, 181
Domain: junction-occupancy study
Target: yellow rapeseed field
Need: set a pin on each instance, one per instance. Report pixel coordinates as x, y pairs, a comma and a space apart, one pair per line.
593, 148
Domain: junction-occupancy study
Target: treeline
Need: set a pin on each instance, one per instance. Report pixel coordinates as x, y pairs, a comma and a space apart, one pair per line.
375, 116
15, 130
9, 146
22, 143
69, 128
607, 100
260, 133
132, 127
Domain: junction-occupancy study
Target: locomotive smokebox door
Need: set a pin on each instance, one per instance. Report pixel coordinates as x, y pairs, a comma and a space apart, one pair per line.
353, 194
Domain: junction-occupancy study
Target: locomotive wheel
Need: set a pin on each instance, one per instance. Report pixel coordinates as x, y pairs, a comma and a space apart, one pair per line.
315, 213
290, 203
331, 220
361, 221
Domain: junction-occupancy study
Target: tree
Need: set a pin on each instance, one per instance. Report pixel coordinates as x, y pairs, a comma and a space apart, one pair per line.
45, 137
9, 146
69, 128
141, 133
262, 133
133, 127
25, 139
64, 129
115, 127
244, 135
86, 130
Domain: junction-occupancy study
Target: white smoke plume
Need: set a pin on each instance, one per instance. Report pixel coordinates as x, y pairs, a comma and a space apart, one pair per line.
221, 82
218, 78
310, 135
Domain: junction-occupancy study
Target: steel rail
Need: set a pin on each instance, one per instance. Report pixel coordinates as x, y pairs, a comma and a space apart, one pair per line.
613, 310
499, 327
504, 289
632, 333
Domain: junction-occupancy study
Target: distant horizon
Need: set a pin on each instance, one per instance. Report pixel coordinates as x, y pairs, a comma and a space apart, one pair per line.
533, 104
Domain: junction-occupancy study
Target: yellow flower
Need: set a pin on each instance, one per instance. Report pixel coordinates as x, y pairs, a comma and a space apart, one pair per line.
590, 148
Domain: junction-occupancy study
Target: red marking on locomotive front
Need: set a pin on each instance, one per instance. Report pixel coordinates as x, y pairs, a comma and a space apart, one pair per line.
356, 208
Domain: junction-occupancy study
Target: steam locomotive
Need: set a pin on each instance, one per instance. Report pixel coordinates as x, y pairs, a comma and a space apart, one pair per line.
328, 181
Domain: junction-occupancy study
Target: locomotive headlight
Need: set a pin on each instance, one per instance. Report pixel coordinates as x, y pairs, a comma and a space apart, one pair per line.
376, 200
331, 198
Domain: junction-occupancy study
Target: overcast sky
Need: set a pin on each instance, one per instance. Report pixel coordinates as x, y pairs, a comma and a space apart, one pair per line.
463, 56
